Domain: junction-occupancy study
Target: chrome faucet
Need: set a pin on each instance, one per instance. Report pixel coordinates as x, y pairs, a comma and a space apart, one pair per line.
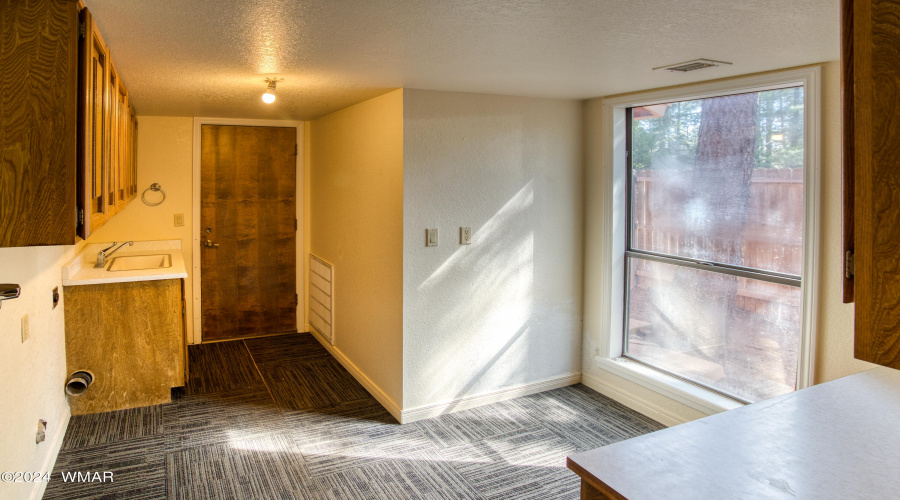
102, 255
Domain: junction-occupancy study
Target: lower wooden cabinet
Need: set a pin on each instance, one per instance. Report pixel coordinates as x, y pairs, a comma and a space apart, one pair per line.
130, 336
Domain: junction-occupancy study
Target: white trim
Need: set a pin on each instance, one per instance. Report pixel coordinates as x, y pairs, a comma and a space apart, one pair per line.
693, 396
639, 405
196, 334
361, 377
464, 403
613, 216
37, 491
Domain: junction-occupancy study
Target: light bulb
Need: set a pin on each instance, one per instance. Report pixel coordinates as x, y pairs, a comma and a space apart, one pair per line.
268, 97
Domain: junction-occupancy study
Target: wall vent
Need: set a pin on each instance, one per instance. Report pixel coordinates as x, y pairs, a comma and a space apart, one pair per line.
696, 64
321, 298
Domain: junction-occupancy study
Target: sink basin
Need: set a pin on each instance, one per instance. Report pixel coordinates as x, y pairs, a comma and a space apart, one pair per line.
140, 262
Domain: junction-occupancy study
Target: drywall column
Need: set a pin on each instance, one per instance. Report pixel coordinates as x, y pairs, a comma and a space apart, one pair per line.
356, 224
503, 315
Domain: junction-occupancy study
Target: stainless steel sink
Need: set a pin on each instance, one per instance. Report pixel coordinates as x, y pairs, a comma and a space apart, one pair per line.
140, 262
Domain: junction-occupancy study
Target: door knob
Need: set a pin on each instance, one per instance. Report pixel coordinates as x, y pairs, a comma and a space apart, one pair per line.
211, 244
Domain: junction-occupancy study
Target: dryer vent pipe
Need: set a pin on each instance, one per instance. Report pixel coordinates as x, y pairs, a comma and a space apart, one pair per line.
78, 383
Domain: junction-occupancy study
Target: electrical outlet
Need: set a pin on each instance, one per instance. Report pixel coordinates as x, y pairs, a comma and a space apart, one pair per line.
431, 237
179, 220
25, 332
465, 236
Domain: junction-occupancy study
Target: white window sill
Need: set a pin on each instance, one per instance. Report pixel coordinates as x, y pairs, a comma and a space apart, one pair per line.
696, 397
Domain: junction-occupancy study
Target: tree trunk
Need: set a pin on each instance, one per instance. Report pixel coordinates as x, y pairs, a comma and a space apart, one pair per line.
720, 202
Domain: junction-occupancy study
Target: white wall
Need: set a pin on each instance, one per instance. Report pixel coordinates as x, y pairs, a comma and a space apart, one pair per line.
356, 224
504, 311
33, 372
834, 347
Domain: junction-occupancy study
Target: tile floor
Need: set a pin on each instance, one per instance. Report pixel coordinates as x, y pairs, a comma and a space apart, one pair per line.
279, 418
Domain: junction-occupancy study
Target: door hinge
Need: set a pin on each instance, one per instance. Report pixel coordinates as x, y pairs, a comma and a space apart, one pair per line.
296, 224
849, 265
297, 299
79, 217
82, 30
295, 149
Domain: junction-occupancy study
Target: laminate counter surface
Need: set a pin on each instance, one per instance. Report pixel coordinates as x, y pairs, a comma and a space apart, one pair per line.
81, 270
840, 439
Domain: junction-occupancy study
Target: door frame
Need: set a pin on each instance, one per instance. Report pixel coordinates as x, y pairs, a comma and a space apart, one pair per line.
196, 335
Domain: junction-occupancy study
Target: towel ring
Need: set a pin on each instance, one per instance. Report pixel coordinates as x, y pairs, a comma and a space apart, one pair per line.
153, 187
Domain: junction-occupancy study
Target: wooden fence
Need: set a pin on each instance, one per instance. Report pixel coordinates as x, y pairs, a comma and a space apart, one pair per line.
771, 239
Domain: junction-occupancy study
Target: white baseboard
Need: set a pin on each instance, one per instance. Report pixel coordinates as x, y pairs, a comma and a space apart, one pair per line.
433, 410
56, 443
360, 377
639, 405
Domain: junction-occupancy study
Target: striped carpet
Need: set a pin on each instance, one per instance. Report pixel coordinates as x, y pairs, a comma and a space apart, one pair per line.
279, 418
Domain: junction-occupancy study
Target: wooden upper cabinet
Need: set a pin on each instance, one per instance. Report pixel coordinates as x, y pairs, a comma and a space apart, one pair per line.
94, 127
871, 69
38, 122
106, 143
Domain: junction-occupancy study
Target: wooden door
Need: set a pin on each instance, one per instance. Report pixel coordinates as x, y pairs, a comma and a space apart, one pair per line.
38, 99
120, 143
94, 130
112, 152
247, 231
871, 69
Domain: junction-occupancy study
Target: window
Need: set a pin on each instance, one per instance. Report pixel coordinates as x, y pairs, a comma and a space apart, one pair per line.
709, 252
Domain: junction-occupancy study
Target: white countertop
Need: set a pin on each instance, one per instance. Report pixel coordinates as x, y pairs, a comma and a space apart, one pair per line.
839, 439
81, 271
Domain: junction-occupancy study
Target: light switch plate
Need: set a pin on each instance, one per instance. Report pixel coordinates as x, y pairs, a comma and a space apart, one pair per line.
179, 220
431, 237
25, 330
465, 236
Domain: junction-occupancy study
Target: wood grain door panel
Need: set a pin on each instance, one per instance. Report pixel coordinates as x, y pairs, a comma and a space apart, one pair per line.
38, 112
875, 32
248, 202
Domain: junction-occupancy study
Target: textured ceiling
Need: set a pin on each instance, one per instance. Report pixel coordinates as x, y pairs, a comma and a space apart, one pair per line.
210, 57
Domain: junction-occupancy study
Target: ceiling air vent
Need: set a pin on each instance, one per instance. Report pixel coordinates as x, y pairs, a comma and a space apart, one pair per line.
684, 67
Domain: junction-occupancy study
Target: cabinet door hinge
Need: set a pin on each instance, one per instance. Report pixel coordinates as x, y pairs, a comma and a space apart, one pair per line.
82, 30
849, 264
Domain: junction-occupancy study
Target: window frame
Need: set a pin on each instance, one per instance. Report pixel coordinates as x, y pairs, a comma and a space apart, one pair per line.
614, 231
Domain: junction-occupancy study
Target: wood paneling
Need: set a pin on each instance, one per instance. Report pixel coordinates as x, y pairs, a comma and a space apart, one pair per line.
876, 153
130, 336
248, 204
38, 110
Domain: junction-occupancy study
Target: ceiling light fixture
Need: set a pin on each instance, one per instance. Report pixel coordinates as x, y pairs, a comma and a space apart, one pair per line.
269, 96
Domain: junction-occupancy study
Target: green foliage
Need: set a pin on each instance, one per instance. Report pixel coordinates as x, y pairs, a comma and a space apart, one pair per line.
670, 141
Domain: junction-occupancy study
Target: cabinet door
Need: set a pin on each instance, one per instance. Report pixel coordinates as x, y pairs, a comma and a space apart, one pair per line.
874, 31
133, 145
94, 151
123, 128
112, 150
38, 122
